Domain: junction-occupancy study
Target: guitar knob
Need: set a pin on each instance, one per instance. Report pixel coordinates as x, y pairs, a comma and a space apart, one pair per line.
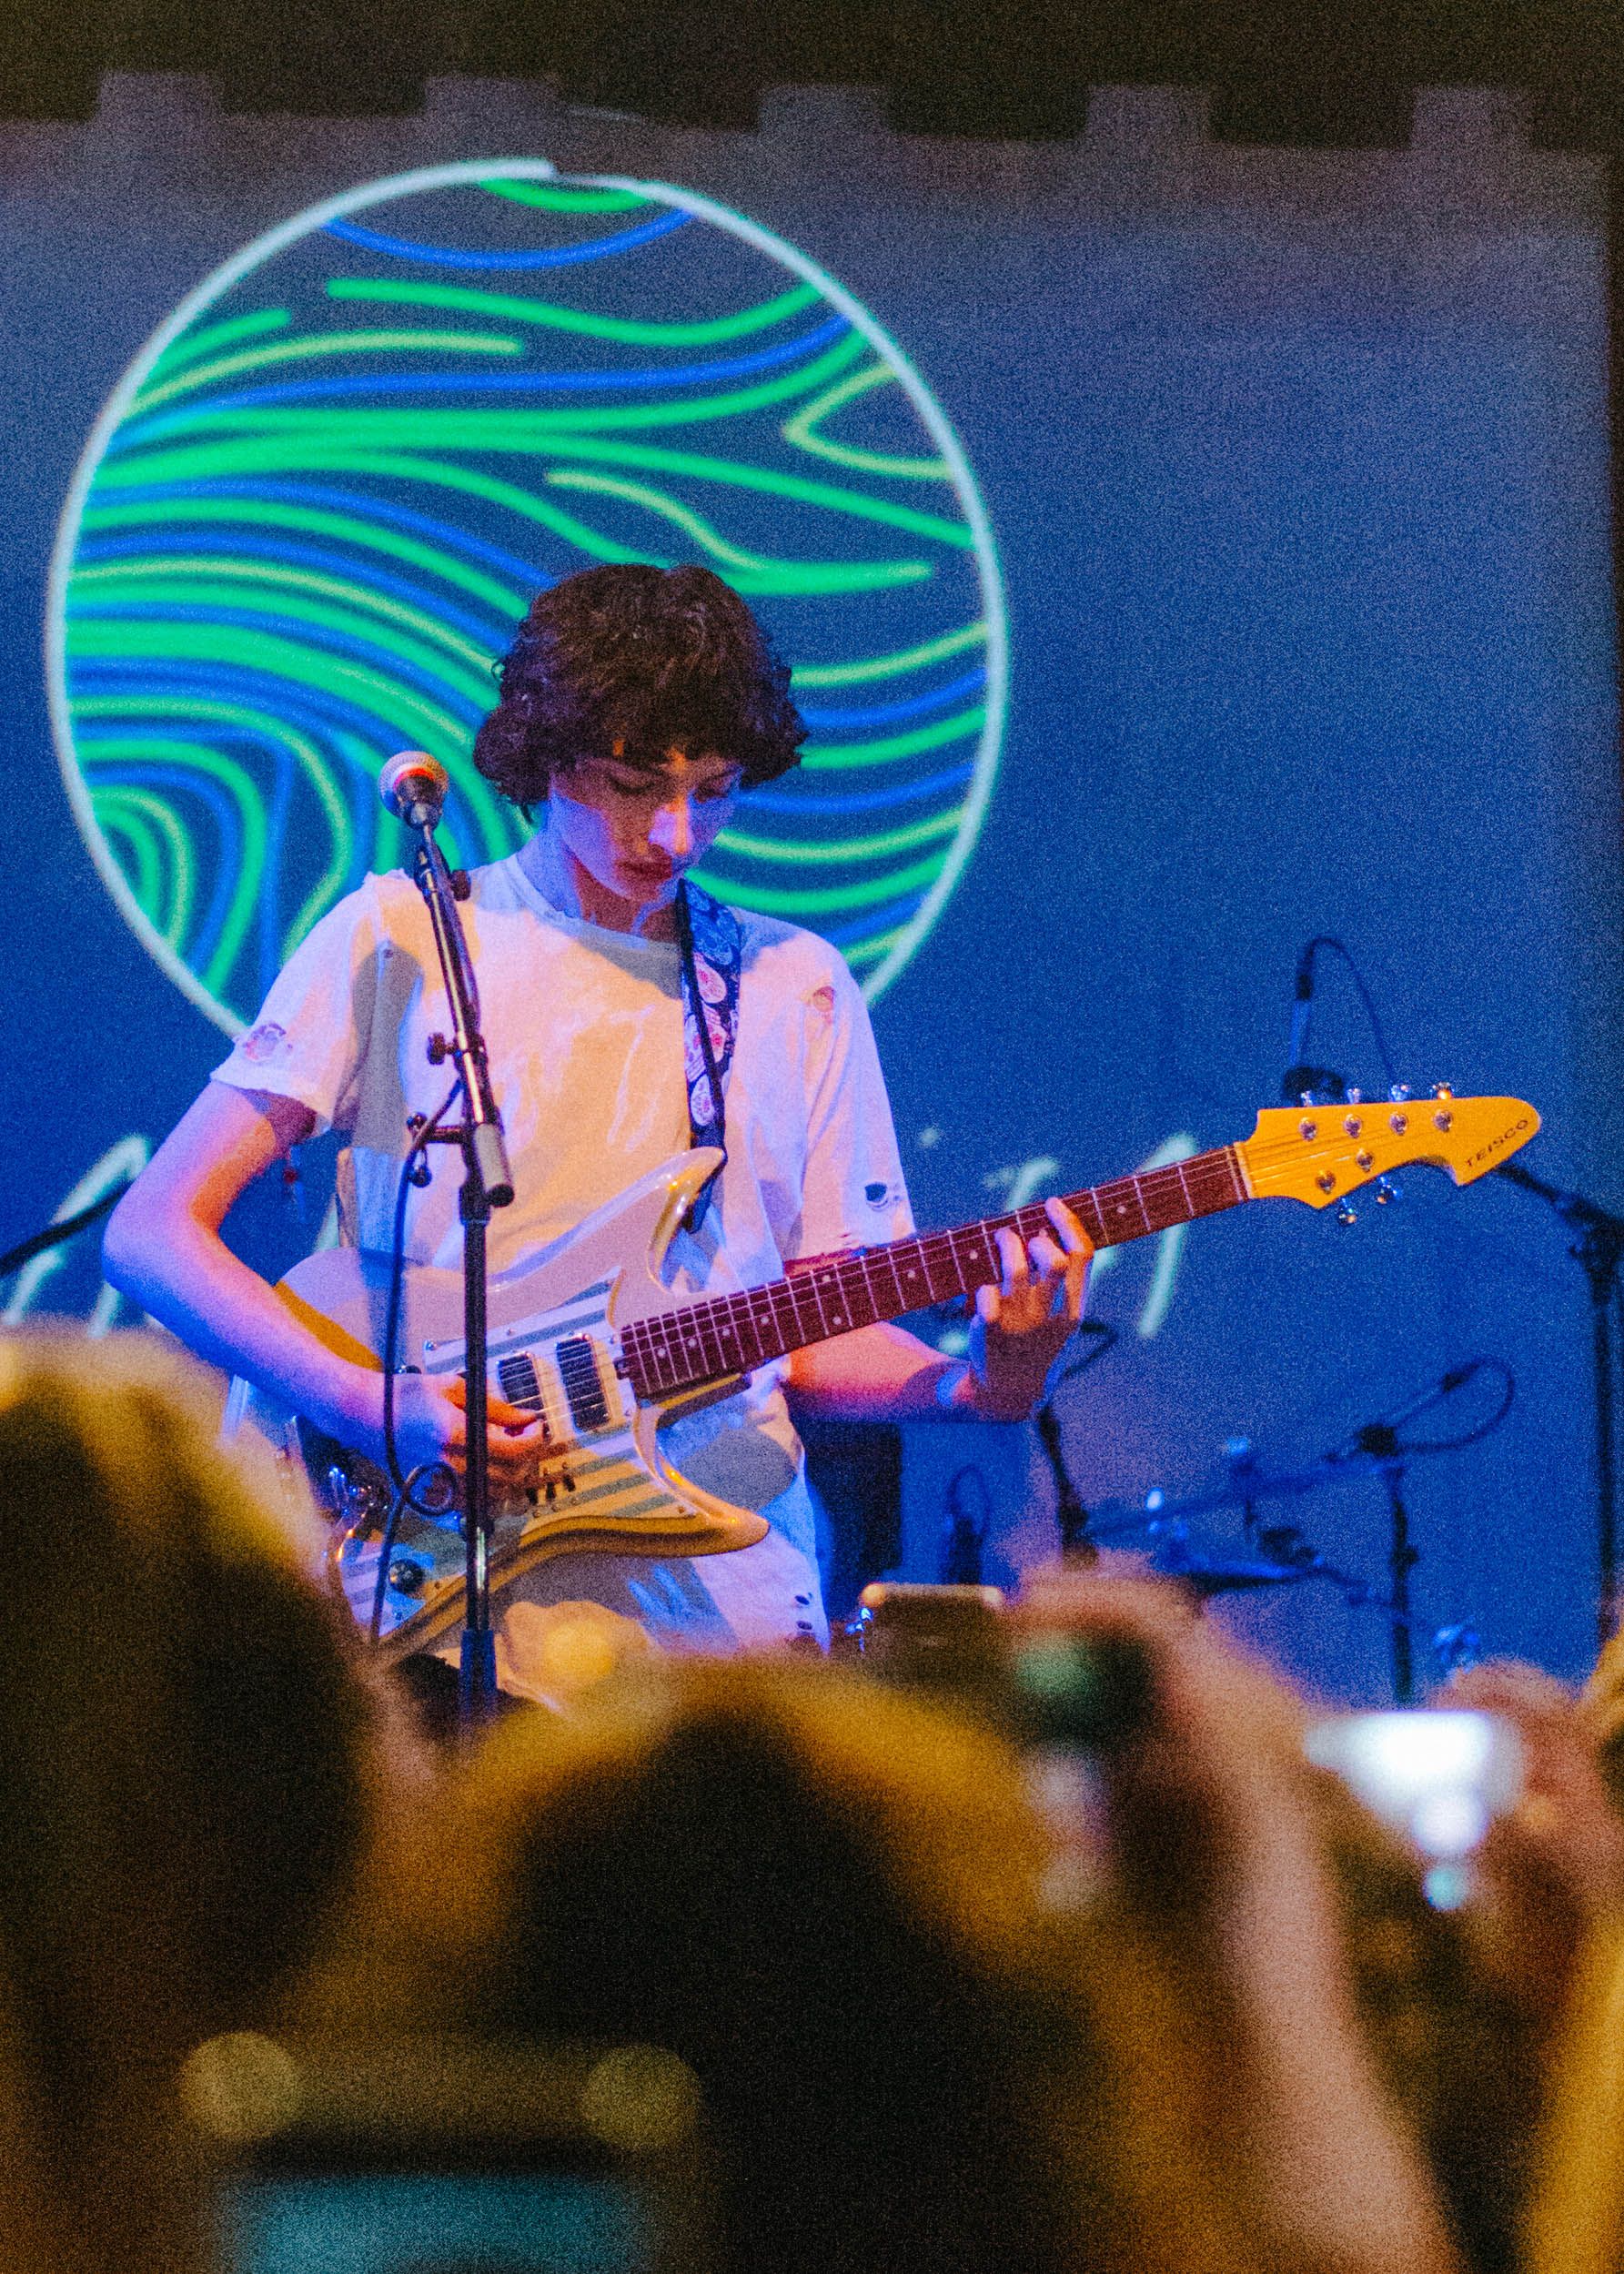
406, 1576
1347, 1213
1387, 1192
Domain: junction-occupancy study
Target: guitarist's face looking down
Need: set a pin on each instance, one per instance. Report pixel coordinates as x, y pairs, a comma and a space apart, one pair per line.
628, 827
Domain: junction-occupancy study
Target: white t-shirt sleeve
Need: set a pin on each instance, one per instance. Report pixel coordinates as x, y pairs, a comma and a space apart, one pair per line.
312, 1031
853, 1194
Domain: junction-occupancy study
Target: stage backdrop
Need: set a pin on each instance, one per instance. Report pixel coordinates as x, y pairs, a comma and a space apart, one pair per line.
1181, 552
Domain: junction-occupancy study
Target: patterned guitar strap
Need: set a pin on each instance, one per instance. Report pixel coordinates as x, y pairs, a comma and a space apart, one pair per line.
713, 948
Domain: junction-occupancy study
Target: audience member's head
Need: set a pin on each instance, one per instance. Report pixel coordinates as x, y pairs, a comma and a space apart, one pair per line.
184, 1755
826, 1898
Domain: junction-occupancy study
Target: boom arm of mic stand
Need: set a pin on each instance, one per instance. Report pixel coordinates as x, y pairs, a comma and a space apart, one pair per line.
1571, 1207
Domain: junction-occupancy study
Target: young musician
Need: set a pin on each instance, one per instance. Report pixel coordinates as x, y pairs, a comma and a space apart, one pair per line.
636, 704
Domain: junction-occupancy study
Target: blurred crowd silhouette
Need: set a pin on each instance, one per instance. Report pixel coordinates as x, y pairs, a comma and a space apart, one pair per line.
951, 1999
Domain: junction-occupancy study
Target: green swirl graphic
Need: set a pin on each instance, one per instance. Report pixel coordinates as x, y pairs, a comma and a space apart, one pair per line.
323, 495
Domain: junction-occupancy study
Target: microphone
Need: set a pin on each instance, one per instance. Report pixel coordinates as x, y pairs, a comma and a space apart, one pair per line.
1321, 1083
413, 787
1302, 997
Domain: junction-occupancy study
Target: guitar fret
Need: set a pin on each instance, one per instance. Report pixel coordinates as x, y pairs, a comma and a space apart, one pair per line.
801, 1291
723, 1333
937, 1268
742, 1330
771, 1320
1092, 1219
1162, 1200
896, 1302
986, 1269
912, 1282
832, 1306
866, 1303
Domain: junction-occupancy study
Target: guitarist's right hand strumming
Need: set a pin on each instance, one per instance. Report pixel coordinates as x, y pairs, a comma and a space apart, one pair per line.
431, 1424
163, 1249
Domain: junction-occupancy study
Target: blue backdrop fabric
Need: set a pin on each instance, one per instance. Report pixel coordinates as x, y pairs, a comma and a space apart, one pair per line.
1296, 467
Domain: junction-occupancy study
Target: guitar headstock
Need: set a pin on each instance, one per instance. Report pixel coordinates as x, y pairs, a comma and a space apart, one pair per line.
1320, 1154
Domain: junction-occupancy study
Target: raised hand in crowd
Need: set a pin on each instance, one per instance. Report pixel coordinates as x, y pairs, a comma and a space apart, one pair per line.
1216, 1855
1552, 1868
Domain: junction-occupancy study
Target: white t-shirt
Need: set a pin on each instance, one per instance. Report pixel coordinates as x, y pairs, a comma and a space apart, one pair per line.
583, 1028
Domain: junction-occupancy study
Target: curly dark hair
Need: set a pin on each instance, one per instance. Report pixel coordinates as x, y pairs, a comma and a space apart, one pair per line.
653, 659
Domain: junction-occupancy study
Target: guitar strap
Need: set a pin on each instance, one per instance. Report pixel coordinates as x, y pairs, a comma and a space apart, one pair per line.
712, 950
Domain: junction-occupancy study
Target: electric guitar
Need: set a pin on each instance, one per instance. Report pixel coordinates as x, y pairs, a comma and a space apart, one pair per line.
586, 1334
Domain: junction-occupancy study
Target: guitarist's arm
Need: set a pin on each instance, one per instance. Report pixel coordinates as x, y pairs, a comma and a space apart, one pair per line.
163, 1249
883, 1373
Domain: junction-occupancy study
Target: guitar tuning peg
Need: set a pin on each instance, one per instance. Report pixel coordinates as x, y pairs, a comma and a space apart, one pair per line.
1442, 1089
1399, 1094
1356, 1096
1387, 1192
1347, 1213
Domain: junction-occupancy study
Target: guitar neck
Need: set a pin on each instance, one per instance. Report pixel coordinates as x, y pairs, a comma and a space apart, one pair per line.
732, 1334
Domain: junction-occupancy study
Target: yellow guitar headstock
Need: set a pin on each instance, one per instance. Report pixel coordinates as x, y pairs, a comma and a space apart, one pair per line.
1321, 1153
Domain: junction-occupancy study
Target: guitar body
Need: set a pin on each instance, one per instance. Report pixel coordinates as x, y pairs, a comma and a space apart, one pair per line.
554, 1345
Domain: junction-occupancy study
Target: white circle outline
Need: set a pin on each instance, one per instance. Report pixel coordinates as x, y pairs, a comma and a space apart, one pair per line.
305, 224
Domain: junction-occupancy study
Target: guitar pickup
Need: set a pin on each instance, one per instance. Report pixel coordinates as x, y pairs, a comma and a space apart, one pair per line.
576, 1362
521, 1384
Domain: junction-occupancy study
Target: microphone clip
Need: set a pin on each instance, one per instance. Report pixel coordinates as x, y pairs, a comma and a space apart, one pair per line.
1313, 1085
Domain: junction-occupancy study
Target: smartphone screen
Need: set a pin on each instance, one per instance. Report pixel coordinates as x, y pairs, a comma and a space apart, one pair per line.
1437, 1779
450, 2155
1048, 1688
437, 2222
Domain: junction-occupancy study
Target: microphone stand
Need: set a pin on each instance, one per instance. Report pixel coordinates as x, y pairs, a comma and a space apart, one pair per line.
1075, 1544
1078, 1544
1380, 1444
40, 1243
488, 1184
1598, 1248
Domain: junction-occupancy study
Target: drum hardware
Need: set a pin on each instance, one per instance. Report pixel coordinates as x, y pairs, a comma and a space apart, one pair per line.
1076, 1546
1381, 1449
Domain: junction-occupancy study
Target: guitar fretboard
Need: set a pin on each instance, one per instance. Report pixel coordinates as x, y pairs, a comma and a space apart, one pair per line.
831, 1295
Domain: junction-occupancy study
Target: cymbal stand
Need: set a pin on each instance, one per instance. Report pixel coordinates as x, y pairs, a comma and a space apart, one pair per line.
1598, 1248
1380, 1440
1453, 1646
